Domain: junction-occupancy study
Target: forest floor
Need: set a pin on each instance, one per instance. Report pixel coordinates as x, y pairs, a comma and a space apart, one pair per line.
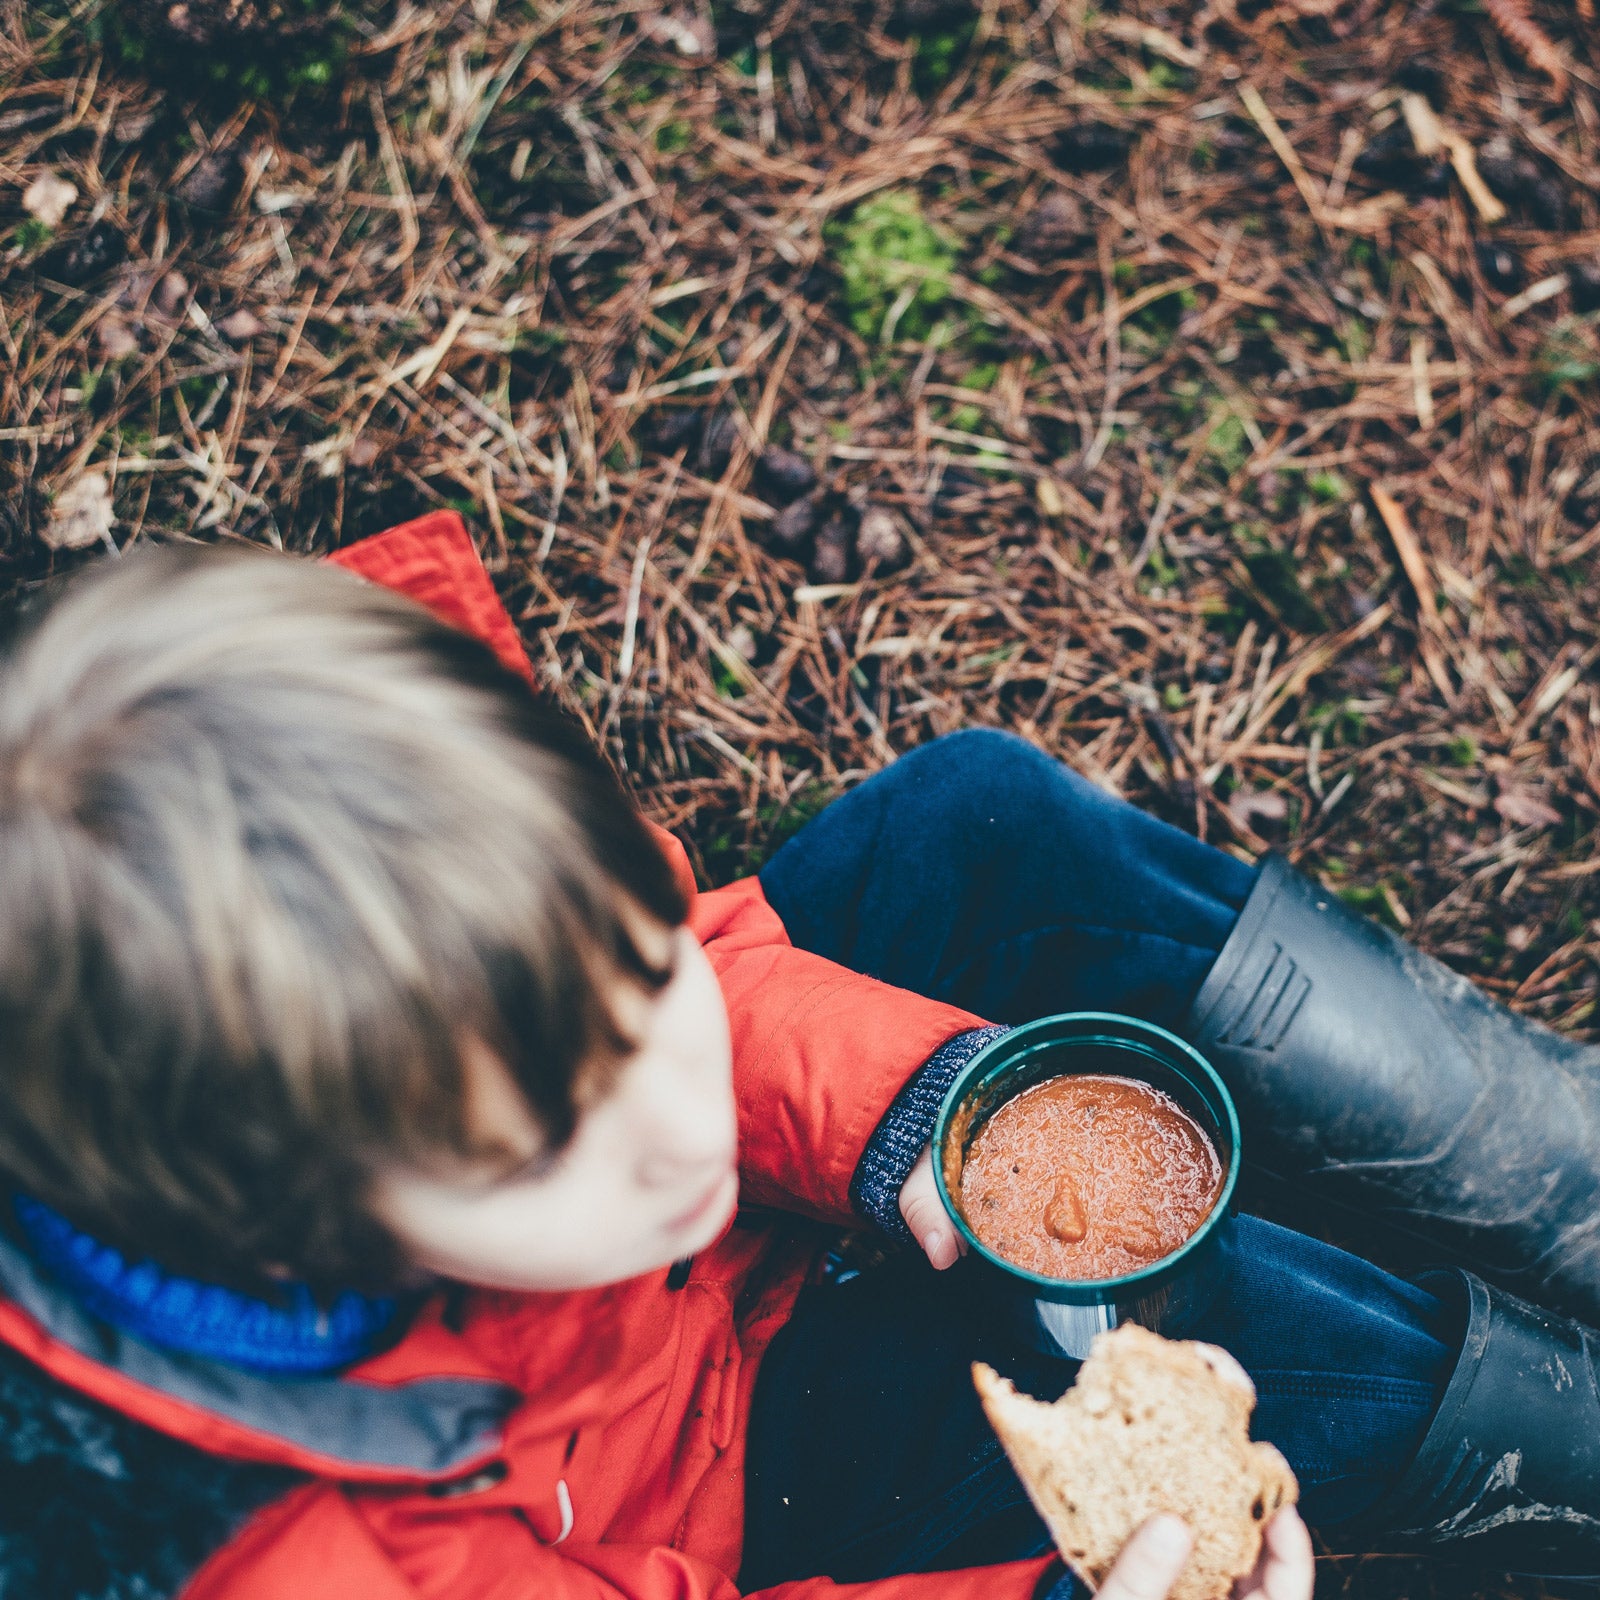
1210, 396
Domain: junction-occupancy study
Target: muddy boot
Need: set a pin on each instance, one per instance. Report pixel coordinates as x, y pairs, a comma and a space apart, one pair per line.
1367, 1072
1508, 1475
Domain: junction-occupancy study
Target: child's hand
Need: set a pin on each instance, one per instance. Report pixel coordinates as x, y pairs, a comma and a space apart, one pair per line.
925, 1215
1286, 1570
1152, 1559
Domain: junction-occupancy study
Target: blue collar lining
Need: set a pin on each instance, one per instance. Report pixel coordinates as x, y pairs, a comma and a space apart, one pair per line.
203, 1319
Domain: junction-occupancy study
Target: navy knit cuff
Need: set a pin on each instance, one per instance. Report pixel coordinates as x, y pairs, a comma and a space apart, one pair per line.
907, 1126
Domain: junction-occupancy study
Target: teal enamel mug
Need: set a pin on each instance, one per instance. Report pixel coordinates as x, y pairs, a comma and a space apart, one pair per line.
1061, 1316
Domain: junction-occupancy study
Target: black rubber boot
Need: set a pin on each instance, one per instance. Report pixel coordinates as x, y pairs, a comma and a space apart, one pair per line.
1368, 1073
1508, 1475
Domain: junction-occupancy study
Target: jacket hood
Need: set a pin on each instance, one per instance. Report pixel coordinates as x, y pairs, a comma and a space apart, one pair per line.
409, 1423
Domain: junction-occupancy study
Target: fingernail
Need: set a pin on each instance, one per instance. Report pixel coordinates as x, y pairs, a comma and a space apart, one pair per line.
1168, 1537
935, 1245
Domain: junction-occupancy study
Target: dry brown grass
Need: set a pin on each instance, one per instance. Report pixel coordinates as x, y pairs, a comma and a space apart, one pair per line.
1244, 464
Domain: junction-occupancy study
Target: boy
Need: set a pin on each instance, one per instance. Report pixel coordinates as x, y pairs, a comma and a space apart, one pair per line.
376, 1096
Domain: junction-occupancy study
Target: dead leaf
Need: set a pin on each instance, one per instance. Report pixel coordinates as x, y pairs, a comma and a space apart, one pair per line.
81, 515
1249, 806
238, 326
1525, 808
114, 338
880, 542
688, 35
48, 198
170, 293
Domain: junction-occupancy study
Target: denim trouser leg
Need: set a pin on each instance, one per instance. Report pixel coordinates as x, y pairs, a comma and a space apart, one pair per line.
979, 871
868, 1453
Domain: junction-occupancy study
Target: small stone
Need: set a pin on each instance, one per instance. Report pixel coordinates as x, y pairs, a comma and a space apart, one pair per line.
1499, 264
81, 514
1052, 228
213, 184
674, 430
1390, 158
363, 451
1091, 147
830, 558
915, 16
1422, 76
791, 531
170, 293
1584, 276
620, 371
133, 127
783, 474
956, 483
1523, 184
716, 445
879, 540
743, 642
48, 198
240, 326
78, 261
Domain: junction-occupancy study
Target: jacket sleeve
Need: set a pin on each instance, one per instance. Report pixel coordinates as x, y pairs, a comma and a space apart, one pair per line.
819, 1052
318, 1546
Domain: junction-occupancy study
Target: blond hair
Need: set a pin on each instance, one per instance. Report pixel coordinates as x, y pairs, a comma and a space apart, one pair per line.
273, 841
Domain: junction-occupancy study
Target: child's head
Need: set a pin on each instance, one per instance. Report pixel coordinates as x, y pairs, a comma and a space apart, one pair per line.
328, 952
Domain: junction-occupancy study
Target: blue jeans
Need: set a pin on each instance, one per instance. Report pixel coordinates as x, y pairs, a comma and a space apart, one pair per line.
977, 870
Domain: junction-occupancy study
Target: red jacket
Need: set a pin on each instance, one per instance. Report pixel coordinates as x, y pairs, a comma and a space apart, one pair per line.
554, 1446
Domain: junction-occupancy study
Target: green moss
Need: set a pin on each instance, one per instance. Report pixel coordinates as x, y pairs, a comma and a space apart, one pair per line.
1277, 579
1355, 339
938, 55
729, 685
1340, 723
1568, 356
541, 341
1328, 487
1371, 900
1464, 751
30, 234
885, 250
307, 57
1166, 75
1229, 444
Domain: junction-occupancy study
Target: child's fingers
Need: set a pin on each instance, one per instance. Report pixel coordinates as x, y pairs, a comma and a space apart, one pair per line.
925, 1216
1150, 1562
1289, 1572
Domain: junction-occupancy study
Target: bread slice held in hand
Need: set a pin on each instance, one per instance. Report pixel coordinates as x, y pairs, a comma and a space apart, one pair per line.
1151, 1425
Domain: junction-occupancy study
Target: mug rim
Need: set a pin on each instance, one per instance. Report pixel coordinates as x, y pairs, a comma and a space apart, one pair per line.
1087, 1027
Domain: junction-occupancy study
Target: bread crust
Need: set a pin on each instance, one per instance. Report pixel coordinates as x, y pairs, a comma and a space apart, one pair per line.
1151, 1425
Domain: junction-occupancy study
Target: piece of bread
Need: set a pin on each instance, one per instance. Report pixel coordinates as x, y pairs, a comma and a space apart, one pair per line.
1151, 1425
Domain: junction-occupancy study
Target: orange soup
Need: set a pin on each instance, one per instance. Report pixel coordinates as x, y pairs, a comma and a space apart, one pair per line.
1089, 1177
